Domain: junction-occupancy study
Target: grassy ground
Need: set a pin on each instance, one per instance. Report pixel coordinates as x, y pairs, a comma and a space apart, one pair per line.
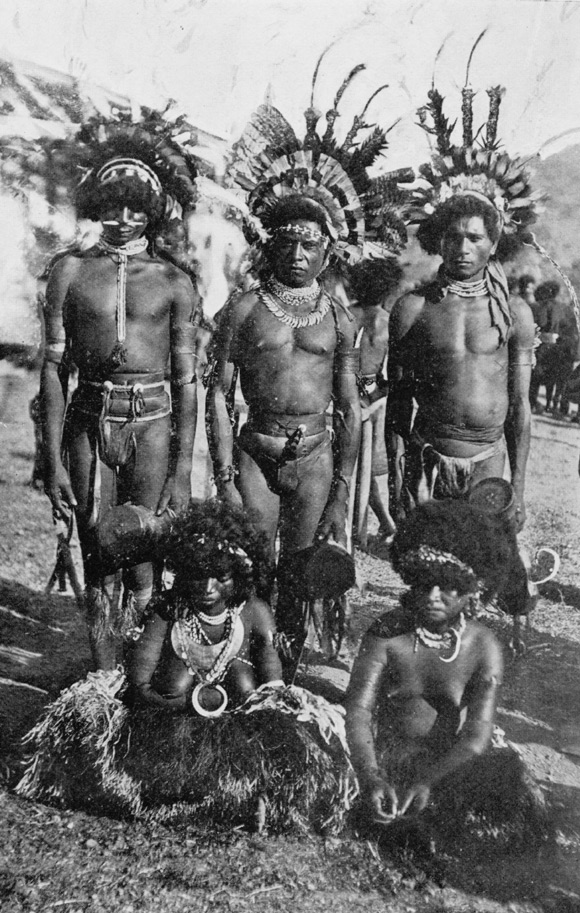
51, 859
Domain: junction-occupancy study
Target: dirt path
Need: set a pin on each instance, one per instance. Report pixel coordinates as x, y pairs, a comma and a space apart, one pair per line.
70, 861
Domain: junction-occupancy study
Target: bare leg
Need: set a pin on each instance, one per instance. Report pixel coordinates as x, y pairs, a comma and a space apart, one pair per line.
386, 523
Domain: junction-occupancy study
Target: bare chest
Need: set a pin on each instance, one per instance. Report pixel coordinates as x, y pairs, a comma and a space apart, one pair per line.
99, 289
458, 327
264, 335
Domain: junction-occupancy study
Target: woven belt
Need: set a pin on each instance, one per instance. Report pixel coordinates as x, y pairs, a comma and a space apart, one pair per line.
282, 425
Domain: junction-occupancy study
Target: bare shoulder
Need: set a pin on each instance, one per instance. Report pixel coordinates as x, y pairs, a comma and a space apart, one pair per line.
523, 329
238, 307
406, 311
257, 613
488, 646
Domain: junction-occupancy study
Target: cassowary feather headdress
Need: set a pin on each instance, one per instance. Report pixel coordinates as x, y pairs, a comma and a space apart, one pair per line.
479, 167
363, 216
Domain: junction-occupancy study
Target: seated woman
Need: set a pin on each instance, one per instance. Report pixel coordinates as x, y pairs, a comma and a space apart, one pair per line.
209, 641
422, 696
201, 726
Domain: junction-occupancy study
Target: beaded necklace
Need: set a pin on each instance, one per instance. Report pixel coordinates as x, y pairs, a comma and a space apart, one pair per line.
467, 289
121, 256
205, 661
444, 641
292, 296
315, 316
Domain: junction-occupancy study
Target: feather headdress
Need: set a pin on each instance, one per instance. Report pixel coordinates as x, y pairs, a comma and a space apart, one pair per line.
155, 149
480, 167
477, 165
364, 216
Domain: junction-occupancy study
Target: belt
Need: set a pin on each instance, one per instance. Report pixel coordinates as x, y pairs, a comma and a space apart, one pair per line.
139, 397
281, 425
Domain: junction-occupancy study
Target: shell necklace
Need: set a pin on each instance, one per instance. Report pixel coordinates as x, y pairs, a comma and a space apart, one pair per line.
206, 661
315, 316
441, 641
121, 256
292, 296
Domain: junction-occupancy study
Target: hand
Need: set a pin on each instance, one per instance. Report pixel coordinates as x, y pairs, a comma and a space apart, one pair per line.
333, 523
379, 795
417, 799
229, 494
59, 489
520, 513
176, 493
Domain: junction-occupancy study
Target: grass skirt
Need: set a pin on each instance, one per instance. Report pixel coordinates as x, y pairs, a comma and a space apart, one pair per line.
280, 760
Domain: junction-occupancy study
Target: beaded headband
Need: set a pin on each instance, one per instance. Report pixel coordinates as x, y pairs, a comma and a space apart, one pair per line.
118, 168
309, 234
427, 558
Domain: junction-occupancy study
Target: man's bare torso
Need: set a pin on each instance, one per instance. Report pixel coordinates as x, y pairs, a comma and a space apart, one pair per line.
283, 369
90, 308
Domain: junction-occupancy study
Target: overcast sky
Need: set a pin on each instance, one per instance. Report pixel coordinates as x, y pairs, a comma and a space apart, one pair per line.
218, 57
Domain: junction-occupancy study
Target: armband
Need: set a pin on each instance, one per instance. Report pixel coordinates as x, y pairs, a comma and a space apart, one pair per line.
183, 340
523, 358
347, 362
183, 355
54, 352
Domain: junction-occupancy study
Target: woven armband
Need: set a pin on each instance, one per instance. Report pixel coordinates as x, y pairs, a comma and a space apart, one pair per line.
183, 340
523, 358
347, 362
54, 352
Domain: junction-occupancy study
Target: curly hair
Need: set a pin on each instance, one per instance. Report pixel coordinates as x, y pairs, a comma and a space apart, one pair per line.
372, 280
547, 291
216, 539
432, 229
478, 540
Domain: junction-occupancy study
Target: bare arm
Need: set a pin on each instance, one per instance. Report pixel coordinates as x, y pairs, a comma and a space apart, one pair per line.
400, 395
477, 730
143, 661
53, 385
262, 651
177, 489
361, 701
346, 423
222, 379
518, 422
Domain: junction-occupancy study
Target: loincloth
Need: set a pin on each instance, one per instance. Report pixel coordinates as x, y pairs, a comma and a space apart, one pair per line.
432, 475
284, 473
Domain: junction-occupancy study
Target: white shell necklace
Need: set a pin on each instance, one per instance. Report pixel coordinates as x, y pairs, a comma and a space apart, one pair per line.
292, 296
434, 641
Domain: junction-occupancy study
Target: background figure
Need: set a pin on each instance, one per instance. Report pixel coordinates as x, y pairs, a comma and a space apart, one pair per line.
370, 283
545, 371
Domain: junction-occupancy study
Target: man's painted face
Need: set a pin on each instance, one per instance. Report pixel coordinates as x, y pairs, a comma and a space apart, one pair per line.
121, 225
466, 248
299, 253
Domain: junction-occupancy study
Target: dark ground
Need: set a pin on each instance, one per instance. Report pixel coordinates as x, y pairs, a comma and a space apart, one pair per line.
59, 860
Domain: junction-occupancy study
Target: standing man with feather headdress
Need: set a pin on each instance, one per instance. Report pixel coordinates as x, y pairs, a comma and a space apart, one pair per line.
292, 344
119, 313
460, 346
